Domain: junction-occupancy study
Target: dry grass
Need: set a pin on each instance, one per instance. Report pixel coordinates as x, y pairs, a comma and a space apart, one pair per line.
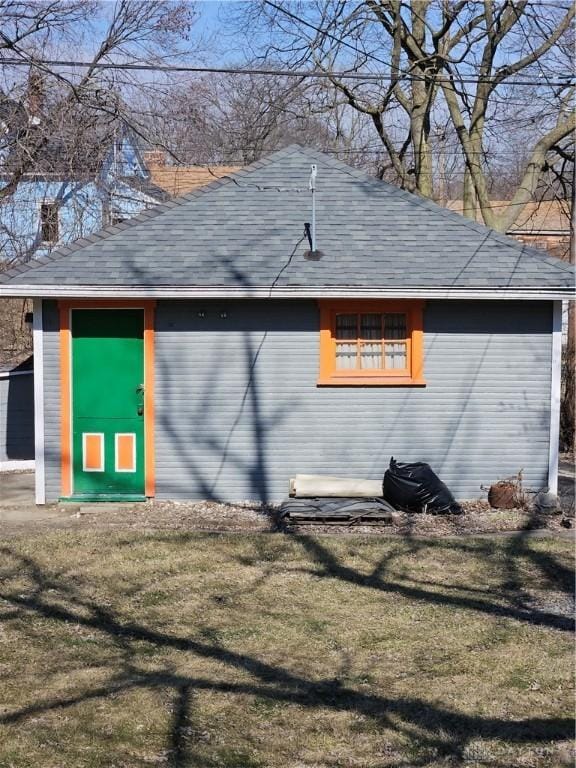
242, 651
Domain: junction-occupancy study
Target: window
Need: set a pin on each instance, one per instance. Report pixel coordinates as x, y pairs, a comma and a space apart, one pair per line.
371, 343
49, 222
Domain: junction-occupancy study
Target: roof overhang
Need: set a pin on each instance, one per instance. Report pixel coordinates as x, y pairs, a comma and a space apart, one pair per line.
263, 292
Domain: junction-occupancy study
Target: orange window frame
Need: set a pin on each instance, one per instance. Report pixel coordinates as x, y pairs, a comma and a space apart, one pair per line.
65, 307
413, 375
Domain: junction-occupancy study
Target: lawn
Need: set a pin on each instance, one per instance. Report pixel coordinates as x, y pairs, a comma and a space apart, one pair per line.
171, 649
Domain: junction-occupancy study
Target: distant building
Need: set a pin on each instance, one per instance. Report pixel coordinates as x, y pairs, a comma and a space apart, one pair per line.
180, 179
54, 206
544, 224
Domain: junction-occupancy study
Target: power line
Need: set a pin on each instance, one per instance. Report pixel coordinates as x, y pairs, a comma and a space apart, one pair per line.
543, 73
340, 41
302, 74
328, 34
237, 151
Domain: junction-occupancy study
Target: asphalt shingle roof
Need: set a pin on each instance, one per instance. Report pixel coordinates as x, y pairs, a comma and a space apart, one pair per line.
247, 230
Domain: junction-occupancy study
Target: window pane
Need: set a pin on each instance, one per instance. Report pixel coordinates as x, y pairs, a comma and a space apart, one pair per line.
49, 222
346, 326
371, 356
395, 326
395, 355
371, 326
346, 356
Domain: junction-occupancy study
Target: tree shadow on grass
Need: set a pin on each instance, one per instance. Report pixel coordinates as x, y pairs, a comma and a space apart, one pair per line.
441, 731
327, 565
519, 548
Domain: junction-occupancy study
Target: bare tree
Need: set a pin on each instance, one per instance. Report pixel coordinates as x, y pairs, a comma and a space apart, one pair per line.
57, 122
235, 119
469, 113
437, 58
73, 105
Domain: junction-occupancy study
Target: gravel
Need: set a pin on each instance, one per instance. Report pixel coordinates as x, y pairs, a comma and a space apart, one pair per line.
250, 517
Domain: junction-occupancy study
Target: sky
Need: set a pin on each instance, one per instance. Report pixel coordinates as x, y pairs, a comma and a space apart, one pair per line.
212, 22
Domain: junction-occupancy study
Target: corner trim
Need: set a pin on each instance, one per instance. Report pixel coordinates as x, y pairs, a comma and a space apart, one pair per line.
38, 341
555, 396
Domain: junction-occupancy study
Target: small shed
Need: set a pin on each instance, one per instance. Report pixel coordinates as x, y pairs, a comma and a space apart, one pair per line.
17, 413
220, 343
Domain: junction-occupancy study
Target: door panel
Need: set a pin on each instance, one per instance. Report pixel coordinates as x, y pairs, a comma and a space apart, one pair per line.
108, 402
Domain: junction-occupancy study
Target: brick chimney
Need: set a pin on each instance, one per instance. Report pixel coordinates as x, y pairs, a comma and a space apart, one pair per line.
35, 96
155, 158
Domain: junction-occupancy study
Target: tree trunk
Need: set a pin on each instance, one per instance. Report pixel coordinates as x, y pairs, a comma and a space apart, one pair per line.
420, 119
469, 197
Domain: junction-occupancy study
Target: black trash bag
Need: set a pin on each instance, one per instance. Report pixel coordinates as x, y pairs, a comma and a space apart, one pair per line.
416, 488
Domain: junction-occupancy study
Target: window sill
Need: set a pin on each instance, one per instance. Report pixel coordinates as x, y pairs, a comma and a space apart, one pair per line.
370, 381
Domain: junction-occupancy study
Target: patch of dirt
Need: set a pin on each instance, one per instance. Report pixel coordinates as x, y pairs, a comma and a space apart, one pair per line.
478, 518
247, 517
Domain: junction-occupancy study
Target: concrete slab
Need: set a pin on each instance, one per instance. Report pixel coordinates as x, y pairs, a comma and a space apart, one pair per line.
33, 514
17, 501
16, 489
100, 507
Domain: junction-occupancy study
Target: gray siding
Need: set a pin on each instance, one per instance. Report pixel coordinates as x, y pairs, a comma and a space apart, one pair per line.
238, 410
51, 399
17, 418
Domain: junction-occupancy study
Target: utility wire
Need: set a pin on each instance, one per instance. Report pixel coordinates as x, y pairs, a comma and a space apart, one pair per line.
340, 41
543, 73
233, 154
361, 76
328, 34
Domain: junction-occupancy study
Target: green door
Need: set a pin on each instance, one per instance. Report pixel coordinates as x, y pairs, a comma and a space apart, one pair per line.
108, 403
